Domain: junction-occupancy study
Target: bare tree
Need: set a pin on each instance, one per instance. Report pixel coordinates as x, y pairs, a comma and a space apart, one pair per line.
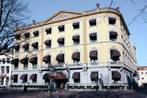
11, 14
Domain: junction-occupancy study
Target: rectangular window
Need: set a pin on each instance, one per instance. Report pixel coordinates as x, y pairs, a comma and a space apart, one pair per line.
112, 20
2, 81
34, 80
36, 33
3, 69
61, 28
60, 41
8, 60
3, 61
7, 80
7, 69
93, 37
76, 25
76, 39
26, 35
48, 30
92, 22
15, 78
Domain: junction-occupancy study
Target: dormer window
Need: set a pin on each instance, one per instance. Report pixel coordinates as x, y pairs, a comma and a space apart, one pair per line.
36, 33
76, 25
48, 30
92, 22
61, 28
112, 20
61, 41
27, 35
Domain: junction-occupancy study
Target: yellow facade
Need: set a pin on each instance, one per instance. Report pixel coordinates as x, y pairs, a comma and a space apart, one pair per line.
103, 44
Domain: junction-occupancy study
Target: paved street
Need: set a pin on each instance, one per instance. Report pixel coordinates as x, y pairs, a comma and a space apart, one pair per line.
62, 94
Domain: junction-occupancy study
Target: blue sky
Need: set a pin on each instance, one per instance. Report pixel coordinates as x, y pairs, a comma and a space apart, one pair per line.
42, 9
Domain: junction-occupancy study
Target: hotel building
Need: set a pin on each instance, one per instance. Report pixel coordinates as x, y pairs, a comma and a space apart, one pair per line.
78, 50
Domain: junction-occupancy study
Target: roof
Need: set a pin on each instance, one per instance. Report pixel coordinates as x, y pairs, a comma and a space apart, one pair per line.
65, 15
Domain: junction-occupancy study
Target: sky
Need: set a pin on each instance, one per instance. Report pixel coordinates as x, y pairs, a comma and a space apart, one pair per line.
40, 10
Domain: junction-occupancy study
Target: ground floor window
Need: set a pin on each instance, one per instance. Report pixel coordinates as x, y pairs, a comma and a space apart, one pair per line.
116, 76
94, 76
33, 77
76, 77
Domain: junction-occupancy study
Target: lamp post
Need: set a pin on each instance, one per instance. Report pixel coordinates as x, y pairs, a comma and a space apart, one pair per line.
68, 73
50, 84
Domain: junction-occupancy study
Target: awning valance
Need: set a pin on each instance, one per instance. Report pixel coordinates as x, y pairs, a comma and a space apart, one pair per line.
24, 61
27, 34
113, 35
36, 33
35, 44
93, 54
47, 42
26, 45
58, 76
17, 36
48, 30
92, 22
14, 76
76, 38
93, 36
76, 56
116, 75
46, 76
47, 59
33, 76
76, 75
60, 57
16, 46
33, 60
60, 40
61, 27
15, 61
23, 77
75, 25
114, 53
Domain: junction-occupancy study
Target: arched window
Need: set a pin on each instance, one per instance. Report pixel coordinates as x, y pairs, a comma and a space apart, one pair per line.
115, 55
